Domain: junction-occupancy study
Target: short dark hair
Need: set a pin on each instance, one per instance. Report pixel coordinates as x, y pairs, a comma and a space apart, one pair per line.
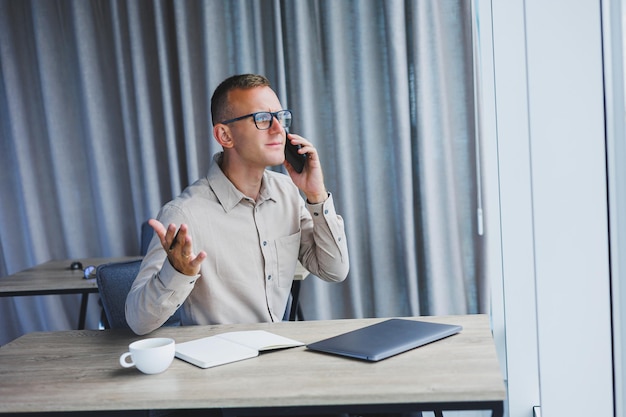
220, 107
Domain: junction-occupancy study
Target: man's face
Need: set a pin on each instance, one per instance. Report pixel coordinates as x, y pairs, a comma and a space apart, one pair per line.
254, 147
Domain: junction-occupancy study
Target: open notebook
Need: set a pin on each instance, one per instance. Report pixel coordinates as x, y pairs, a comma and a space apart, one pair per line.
231, 347
387, 338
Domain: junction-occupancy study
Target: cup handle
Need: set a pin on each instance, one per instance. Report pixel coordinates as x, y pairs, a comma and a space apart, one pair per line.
124, 362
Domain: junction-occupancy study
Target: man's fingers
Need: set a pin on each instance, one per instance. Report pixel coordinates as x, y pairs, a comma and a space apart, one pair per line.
197, 261
174, 241
177, 243
175, 237
158, 227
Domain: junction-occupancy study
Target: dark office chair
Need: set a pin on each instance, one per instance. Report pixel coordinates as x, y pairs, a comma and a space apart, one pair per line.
114, 282
293, 311
146, 236
293, 307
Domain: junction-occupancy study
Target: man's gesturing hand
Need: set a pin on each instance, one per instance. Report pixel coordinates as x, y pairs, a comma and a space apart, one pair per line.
179, 248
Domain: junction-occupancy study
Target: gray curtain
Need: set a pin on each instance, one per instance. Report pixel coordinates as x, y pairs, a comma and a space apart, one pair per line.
104, 116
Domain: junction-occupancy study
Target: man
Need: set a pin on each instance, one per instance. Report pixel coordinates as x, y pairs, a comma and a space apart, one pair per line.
226, 249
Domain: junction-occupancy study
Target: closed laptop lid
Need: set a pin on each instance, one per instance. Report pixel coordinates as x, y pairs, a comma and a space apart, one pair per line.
387, 338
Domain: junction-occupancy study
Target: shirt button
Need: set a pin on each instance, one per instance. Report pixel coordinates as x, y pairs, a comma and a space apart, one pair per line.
316, 214
325, 211
269, 277
265, 243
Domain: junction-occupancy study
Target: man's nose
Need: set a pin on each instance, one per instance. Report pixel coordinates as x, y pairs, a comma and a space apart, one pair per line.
275, 123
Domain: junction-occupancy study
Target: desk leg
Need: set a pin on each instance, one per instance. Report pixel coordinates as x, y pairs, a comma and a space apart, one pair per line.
498, 409
83, 311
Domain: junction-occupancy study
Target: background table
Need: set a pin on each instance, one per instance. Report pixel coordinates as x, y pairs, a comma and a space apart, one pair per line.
79, 371
56, 277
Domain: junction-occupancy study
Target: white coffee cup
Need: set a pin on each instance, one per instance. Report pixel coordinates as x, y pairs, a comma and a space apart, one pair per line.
150, 356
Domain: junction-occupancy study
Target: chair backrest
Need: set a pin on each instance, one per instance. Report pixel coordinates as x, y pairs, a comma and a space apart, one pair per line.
294, 310
146, 236
114, 282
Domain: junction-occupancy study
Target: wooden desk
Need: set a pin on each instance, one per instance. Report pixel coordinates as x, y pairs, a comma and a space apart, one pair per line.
79, 371
55, 277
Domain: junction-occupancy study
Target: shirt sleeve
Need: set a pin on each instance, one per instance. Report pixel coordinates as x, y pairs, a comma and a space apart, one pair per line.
159, 289
323, 246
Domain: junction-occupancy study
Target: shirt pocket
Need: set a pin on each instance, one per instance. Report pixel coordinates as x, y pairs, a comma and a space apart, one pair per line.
287, 249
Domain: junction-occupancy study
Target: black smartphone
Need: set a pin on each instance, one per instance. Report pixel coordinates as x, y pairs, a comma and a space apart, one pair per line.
296, 160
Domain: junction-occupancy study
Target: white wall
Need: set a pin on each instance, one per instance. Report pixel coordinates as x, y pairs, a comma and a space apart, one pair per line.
549, 203
508, 210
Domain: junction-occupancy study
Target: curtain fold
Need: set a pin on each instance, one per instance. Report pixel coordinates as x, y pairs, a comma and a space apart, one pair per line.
105, 116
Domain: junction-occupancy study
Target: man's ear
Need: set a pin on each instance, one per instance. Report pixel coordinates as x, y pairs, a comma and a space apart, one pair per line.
223, 136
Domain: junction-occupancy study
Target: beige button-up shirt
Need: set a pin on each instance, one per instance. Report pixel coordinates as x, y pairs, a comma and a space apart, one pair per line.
252, 248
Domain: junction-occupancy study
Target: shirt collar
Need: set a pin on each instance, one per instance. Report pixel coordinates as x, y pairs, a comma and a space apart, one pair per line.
227, 194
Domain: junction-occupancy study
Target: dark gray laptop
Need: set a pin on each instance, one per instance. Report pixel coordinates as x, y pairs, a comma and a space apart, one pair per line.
385, 339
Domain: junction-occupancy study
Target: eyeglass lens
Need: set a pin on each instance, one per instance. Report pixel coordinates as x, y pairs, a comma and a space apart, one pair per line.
263, 120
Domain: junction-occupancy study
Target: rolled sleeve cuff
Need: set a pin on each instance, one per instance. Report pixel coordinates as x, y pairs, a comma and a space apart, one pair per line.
320, 211
324, 215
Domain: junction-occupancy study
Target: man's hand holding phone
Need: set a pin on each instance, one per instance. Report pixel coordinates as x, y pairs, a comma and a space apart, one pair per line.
295, 159
309, 178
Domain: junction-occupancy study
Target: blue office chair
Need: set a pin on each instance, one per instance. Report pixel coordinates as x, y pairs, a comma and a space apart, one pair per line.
146, 236
294, 310
114, 282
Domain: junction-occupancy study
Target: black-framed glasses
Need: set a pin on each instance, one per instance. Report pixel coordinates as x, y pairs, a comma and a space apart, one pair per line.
263, 119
